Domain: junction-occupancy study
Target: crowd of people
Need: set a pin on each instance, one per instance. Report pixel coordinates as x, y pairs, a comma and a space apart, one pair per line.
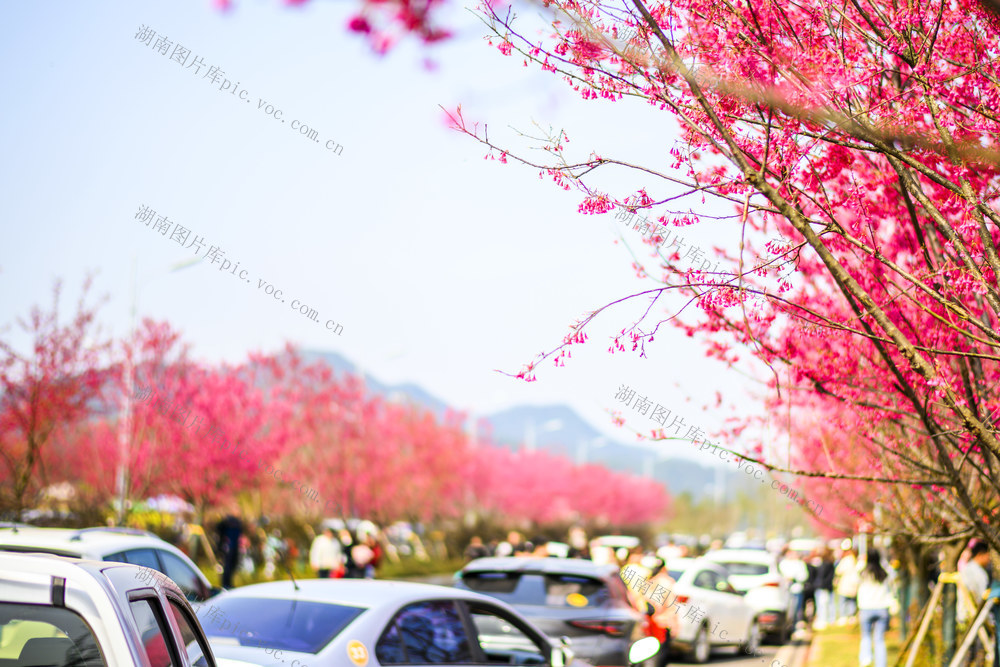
344, 554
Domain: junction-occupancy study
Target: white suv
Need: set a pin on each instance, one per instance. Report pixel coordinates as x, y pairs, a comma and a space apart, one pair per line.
754, 573
123, 545
67, 612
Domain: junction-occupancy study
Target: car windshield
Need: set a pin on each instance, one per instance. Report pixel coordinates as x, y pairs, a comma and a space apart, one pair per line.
549, 590
738, 569
291, 625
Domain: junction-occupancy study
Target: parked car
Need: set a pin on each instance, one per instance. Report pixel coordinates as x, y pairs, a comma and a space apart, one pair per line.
123, 545
755, 574
571, 597
325, 622
727, 620
67, 612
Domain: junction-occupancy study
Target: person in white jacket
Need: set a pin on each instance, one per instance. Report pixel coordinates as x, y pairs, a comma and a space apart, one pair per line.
875, 598
325, 554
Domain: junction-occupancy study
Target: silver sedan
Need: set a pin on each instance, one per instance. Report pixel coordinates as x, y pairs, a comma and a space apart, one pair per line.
326, 622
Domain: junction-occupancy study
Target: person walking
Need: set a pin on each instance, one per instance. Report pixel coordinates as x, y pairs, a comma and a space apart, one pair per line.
846, 584
352, 569
664, 621
824, 590
325, 555
229, 530
875, 598
809, 589
476, 549
375, 551
976, 580
794, 569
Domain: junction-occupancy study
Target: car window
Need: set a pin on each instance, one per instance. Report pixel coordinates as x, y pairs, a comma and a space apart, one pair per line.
706, 579
144, 557
116, 557
182, 574
562, 590
502, 641
744, 569
152, 631
291, 625
425, 633
551, 590
33, 635
193, 642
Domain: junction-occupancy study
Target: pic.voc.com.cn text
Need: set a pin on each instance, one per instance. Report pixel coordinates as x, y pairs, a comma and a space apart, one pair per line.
215, 255
215, 75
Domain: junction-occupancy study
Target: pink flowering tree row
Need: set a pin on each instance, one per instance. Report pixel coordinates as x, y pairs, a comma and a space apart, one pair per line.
285, 436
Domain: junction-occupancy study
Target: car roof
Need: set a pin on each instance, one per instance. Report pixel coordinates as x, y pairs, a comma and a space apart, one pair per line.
533, 565
686, 563
18, 582
86, 542
742, 556
351, 592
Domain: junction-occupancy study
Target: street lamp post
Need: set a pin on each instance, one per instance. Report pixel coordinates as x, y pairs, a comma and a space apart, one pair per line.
125, 423
530, 442
584, 446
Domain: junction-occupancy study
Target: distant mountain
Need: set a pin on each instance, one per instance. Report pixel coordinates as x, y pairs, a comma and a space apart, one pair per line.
557, 428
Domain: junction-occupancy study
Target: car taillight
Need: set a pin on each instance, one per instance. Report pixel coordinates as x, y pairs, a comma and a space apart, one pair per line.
772, 584
682, 599
611, 628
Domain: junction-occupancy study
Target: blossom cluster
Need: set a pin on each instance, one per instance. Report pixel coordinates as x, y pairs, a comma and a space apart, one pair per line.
651, 229
217, 436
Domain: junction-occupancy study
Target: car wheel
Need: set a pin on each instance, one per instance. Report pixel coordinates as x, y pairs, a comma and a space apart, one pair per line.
752, 644
701, 649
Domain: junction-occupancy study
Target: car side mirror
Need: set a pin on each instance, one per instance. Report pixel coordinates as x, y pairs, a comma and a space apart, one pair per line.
561, 656
643, 650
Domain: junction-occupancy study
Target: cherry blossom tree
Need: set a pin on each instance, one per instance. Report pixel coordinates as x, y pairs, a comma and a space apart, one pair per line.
53, 385
865, 137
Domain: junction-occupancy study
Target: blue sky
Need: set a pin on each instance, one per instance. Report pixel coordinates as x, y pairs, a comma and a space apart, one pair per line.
441, 266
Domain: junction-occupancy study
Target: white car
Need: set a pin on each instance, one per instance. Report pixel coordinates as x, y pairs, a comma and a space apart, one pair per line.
123, 545
68, 612
755, 573
374, 623
712, 612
